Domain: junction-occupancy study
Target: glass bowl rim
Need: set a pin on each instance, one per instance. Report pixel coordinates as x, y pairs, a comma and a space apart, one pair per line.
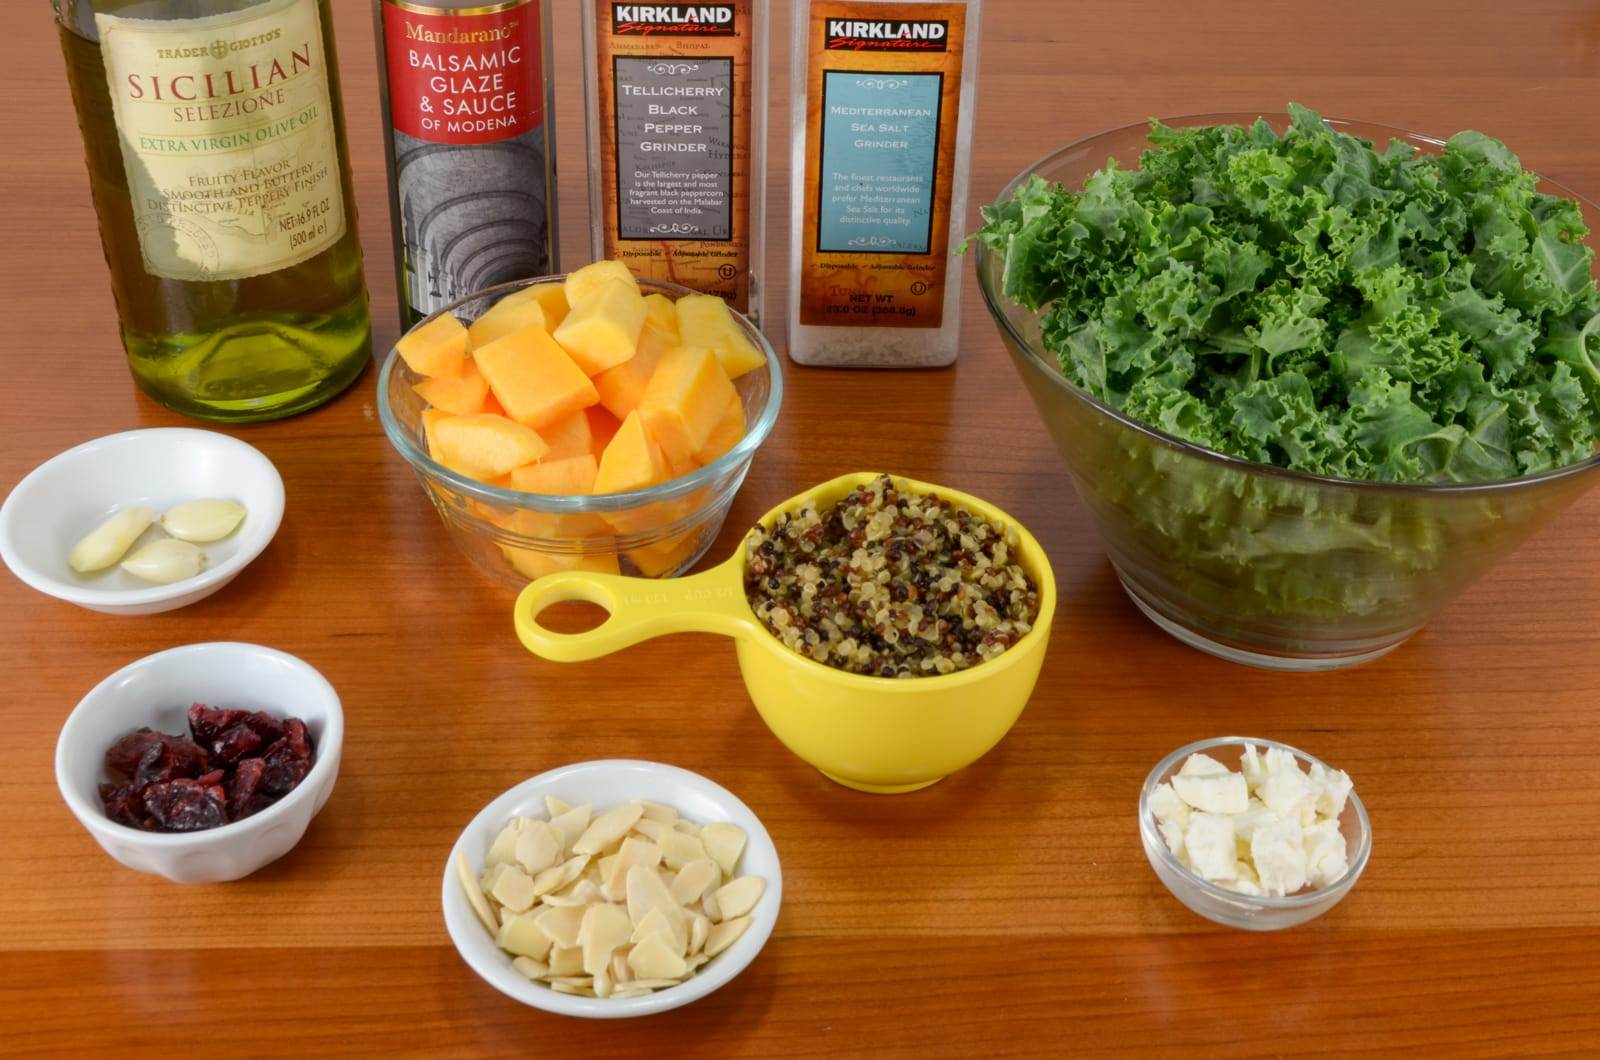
563, 504
1150, 830
1237, 463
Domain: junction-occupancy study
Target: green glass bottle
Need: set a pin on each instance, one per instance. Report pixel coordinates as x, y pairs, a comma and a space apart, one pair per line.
215, 140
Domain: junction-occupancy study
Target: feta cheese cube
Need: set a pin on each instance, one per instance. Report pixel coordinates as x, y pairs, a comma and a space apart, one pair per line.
1332, 787
1286, 790
1172, 816
1244, 881
1278, 850
1251, 765
1199, 765
1209, 843
1326, 859
1223, 792
1255, 814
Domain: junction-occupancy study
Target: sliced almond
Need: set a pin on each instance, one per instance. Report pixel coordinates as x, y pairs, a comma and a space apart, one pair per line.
680, 848
605, 928
620, 994
558, 876
657, 812
725, 843
620, 972
654, 959
568, 988
688, 827
634, 851
513, 888
565, 960
654, 922
693, 879
602, 983
561, 923
531, 968
523, 936
475, 895
651, 829
608, 828
696, 960
709, 906
537, 846
736, 899
555, 807
572, 823
508, 915
724, 935
646, 892
699, 929
504, 848
653, 984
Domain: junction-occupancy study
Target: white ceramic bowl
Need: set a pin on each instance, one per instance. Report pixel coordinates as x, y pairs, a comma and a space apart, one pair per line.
606, 783
1222, 906
157, 691
68, 495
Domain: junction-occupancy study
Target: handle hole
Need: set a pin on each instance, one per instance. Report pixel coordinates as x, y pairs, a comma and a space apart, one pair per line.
572, 616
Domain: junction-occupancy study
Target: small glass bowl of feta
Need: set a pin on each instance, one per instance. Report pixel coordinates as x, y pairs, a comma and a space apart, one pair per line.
1252, 833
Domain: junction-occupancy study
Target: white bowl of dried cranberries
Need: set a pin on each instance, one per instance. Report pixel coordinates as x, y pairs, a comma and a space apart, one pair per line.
202, 763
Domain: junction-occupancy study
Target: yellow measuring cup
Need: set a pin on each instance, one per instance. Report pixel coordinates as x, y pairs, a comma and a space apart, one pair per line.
877, 734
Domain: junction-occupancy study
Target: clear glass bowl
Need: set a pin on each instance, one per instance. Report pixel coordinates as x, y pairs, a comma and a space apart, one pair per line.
657, 532
1254, 563
1229, 908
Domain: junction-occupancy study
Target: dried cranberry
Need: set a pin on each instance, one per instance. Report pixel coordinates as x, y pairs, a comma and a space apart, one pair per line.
245, 796
184, 806
123, 757
298, 739
284, 770
207, 724
211, 779
236, 742
168, 759
123, 804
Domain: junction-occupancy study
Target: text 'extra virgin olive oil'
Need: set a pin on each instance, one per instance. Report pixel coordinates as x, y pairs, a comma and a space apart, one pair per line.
216, 150
469, 113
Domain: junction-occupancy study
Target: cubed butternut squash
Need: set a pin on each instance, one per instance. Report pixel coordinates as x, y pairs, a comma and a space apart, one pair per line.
661, 317
631, 462
664, 557
552, 299
602, 331
564, 476
532, 563
569, 436
603, 427
725, 435
581, 283
620, 388
534, 378
458, 395
704, 320
430, 419
684, 400
437, 348
485, 446
504, 317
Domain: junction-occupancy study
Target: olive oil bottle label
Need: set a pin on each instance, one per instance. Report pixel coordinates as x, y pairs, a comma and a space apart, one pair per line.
674, 122
883, 98
228, 138
470, 147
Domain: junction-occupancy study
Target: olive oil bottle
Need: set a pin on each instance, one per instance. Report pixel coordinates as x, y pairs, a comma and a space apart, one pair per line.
215, 142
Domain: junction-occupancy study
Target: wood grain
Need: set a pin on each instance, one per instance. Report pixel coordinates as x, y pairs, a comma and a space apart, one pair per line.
1006, 911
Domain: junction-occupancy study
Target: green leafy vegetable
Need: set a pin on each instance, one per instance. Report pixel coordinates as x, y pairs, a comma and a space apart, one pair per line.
1307, 301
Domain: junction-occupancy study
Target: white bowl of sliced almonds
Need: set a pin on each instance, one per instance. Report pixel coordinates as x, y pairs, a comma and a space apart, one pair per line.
612, 889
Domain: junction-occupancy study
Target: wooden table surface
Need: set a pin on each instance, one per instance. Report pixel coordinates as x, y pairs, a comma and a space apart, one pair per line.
1006, 911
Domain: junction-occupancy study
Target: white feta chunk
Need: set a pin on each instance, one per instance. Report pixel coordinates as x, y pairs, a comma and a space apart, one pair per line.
1326, 856
1286, 790
1172, 816
1333, 787
1223, 792
1251, 765
1255, 814
1209, 843
1278, 851
1200, 764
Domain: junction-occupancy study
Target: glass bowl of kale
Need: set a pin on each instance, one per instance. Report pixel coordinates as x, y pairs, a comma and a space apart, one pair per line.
1310, 378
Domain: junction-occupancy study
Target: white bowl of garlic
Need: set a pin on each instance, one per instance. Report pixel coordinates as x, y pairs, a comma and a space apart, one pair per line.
143, 521
1253, 833
612, 889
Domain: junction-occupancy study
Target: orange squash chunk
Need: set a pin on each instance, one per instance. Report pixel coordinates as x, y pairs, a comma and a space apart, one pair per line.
565, 476
534, 378
631, 462
602, 331
505, 316
704, 320
552, 299
492, 404
437, 348
603, 427
430, 418
725, 435
460, 395
485, 446
532, 563
686, 398
663, 557
620, 388
569, 436
582, 283
661, 317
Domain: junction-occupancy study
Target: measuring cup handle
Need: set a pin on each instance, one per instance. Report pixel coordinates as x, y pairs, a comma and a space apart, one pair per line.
639, 608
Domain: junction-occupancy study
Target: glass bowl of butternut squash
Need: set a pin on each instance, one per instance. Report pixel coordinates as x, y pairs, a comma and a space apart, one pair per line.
591, 421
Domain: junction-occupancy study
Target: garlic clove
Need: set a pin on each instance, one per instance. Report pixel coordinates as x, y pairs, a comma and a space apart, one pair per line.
203, 520
105, 544
165, 561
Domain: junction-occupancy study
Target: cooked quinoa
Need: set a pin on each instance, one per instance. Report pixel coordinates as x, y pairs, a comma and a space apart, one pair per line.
890, 583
